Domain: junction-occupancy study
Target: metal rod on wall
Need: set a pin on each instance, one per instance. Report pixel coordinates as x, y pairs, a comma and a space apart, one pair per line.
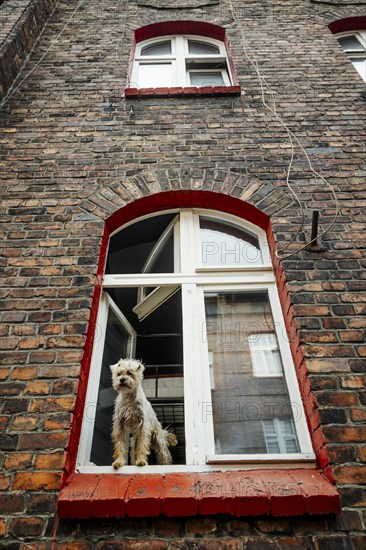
314, 227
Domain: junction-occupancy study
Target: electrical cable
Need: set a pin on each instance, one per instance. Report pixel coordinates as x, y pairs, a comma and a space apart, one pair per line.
292, 137
119, 60
12, 92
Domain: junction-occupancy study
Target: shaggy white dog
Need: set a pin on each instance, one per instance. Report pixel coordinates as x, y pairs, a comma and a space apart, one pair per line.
134, 415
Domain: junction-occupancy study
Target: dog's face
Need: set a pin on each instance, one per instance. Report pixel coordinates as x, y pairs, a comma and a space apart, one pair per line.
127, 374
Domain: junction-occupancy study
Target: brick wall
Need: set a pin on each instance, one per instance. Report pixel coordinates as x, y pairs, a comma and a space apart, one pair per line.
73, 151
22, 21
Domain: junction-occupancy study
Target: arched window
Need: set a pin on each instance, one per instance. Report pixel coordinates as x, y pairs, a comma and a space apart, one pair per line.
180, 61
191, 292
179, 55
354, 45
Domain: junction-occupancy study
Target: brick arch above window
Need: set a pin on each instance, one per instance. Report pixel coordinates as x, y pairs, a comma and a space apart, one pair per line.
106, 200
246, 492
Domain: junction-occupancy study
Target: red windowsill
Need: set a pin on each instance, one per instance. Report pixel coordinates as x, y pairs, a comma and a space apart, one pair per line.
245, 493
188, 91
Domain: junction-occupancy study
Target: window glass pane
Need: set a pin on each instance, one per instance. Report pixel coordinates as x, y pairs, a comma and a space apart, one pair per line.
206, 78
161, 48
266, 358
115, 347
227, 245
350, 44
242, 401
360, 66
130, 248
202, 48
280, 436
155, 75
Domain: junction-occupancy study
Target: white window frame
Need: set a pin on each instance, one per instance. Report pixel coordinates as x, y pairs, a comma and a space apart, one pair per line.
147, 303
179, 58
355, 55
194, 280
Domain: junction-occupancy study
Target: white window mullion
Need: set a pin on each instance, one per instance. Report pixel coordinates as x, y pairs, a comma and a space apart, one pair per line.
204, 276
194, 426
180, 61
188, 241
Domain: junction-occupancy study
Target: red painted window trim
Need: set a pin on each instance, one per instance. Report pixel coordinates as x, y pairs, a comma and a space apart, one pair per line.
163, 28
188, 91
348, 24
199, 28
247, 492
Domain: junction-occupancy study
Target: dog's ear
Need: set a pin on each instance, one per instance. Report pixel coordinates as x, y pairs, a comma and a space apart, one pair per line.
113, 367
141, 367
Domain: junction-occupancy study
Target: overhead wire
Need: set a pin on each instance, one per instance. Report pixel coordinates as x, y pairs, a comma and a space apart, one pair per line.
292, 137
272, 109
12, 92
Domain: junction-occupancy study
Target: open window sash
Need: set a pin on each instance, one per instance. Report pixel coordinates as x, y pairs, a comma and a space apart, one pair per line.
148, 300
154, 300
115, 338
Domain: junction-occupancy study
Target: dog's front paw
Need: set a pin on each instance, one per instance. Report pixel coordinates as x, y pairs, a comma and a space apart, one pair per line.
141, 462
118, 464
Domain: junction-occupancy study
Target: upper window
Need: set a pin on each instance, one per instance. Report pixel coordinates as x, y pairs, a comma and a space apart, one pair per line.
180, 61
354, 45
192, 294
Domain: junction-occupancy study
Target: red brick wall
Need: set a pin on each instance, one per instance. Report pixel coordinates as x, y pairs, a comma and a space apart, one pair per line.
22, 21
73, 152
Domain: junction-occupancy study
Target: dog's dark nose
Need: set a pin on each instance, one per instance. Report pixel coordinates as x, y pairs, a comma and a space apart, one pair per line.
122, 382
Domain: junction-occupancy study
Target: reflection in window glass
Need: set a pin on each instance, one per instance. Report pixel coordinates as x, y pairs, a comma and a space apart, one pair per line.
266, 357
162, 48
202, 48
241, 401
280, 436
206, 78
227, 245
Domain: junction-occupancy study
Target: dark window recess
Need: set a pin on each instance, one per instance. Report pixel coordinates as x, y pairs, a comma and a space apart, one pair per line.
163, 384
159, 347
